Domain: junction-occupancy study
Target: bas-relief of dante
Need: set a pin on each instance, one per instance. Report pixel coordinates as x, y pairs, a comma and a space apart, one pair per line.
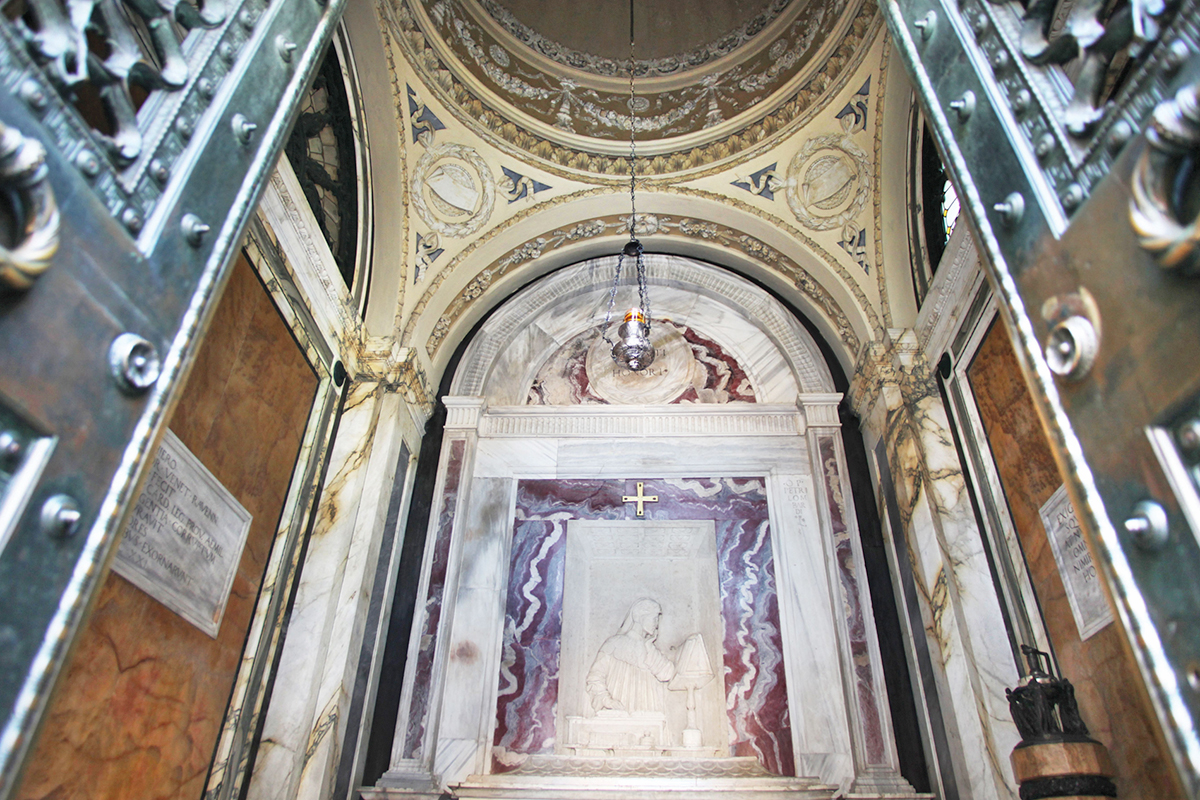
629, 672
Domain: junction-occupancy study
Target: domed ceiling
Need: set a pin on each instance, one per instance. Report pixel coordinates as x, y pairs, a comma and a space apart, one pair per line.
716, 79
672, 36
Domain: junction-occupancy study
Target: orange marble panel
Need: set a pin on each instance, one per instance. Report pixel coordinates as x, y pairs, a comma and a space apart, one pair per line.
138, 711
1102, 670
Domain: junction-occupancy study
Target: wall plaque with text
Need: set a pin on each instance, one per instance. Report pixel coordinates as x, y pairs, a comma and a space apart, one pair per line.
1079, 575
184, 540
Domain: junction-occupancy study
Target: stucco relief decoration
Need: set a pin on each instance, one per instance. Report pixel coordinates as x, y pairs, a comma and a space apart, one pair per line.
426, 31
828, 182
569, 105
650, 68
646, 225
690, 368
453, 190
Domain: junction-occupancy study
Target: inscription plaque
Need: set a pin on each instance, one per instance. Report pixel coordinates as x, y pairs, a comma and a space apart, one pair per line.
1079, 576
184, 541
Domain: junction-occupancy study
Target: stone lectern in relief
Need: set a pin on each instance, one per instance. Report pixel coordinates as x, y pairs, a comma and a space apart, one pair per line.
626, 686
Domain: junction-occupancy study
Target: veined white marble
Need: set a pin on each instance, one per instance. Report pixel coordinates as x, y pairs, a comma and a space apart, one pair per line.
949, 298
775, 438
285, 209
265, 627
806, 609
304, 726
817, 656
964, 626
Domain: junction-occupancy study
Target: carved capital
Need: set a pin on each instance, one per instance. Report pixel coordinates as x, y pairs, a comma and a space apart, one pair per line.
873, 370
896, 363
398, 370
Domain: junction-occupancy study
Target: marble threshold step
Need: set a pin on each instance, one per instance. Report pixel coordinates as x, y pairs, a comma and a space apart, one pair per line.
584, 778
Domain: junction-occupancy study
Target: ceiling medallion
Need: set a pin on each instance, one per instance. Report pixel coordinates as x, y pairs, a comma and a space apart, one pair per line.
453, 190
828, 182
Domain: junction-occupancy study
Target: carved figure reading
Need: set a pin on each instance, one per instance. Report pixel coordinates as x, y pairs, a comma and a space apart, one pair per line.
629, 672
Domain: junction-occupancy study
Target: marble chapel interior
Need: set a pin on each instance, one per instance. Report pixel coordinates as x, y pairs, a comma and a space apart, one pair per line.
797, 555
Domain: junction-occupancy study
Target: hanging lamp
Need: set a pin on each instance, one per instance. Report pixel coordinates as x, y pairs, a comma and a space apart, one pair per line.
632, 350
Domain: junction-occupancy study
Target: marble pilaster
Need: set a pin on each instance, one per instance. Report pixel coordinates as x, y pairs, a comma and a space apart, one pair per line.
874, 750
895, 393
304, 726
415, 745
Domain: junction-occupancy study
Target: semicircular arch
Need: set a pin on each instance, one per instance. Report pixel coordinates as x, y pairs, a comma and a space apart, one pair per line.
701, 225
492, 348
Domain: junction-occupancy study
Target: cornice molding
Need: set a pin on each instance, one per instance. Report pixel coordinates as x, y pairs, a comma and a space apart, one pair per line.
734, 419
584, 155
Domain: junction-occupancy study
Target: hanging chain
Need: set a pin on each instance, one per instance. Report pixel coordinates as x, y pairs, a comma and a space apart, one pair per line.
632, 131
636, 253
612, 299
643, 294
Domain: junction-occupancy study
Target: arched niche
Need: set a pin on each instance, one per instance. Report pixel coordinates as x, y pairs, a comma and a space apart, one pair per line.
775, 352
703, 227
746, 513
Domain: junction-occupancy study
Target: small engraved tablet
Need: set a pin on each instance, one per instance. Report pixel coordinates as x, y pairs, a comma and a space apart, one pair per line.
184, 540
1079, 576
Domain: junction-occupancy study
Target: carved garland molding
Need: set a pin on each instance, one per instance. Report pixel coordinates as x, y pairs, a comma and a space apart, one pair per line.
437, 280
397, 92
877, 188
651, 68
650, 224
848, 279
564, 161
567, 98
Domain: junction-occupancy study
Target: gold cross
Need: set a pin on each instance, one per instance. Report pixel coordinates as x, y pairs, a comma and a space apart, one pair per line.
640, 498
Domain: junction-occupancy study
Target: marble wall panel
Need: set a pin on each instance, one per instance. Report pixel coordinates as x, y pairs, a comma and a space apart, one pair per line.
509, 377
359, 553
1100, 668
681, 456
418, 711
140, 705
755, 682
964, 625
852, 597
472, 649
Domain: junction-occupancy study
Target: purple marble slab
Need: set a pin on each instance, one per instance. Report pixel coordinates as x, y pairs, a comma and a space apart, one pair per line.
755, 688
868, 705
419, 707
